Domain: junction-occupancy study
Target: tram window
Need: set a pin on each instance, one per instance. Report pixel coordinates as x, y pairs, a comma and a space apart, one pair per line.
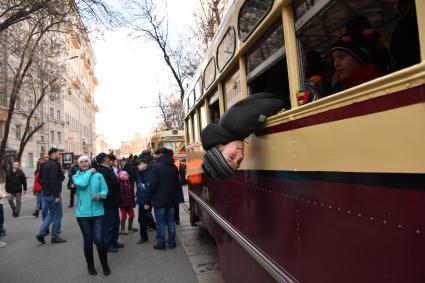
191, 99
198, 89
232, 89
186, 132
204, 120
209, 74
190, 130
226, 48
386, 29
195, 120
250, 16
266, 64
214, 108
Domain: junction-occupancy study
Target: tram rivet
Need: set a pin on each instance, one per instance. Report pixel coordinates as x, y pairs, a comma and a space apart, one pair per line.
348, 212
399, 226
418, 232
330, 206
384, 222
407, 85
371, 218
359, 215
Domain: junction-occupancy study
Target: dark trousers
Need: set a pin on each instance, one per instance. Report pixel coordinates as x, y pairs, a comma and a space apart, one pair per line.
145, 220
111, 226
92, 230
177, 213
1, 217
72, 195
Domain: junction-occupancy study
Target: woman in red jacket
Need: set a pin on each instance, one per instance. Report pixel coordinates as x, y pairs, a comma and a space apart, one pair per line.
37, 189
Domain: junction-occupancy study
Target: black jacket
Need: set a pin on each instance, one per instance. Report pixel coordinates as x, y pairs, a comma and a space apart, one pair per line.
165, 182
113, 199
15, 182
52, 177
242, 119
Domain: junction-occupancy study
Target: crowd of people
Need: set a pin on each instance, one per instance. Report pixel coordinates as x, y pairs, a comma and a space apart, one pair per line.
107, 192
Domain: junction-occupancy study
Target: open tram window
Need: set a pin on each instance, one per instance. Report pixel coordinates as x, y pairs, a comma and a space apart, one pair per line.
266, 65
214, 108
347, 43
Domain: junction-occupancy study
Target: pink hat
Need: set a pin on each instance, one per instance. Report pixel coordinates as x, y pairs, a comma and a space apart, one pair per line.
121, 175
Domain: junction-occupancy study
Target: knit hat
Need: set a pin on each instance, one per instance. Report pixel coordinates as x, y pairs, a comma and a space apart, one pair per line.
357, 44
215, 165
84, 157
121, 175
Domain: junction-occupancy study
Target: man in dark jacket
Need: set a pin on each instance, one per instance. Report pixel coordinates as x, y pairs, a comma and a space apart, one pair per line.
162, 195
112, 202
223, 143
51, 182
15, 183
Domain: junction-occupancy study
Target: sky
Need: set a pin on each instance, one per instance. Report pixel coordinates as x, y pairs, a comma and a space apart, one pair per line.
131, 72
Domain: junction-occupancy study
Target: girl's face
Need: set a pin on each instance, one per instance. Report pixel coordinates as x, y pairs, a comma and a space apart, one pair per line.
142, 166
84, 165
125, 177
344, 64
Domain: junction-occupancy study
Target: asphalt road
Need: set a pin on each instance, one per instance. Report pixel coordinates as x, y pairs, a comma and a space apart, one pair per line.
24, 259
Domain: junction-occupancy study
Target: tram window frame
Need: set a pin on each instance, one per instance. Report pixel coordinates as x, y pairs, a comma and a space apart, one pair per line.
190, 129
324, 10
196, 128
214, 107
232, 52
259, 20
208, 84
272, 58
203, 119
198, 89
231, 74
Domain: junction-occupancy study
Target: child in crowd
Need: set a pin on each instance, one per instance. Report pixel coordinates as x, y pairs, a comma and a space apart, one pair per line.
128, 202
354, 59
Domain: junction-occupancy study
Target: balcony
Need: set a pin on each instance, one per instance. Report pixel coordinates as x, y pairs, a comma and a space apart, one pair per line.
87, 98
87, 64
76, 41
76, 84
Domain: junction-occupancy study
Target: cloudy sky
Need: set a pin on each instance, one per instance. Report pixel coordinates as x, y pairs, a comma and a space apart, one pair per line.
131, 72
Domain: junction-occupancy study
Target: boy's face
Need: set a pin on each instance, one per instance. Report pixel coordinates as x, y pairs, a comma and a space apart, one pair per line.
344, 64
15, 165
142, 166
233, 152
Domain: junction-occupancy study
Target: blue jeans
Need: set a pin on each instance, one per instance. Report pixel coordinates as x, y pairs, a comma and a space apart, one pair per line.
1, 217
92, 229
111, 226
162, 216
44, 209
54, 215
39, 200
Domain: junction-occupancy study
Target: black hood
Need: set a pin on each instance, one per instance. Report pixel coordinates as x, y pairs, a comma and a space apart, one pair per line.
166, 159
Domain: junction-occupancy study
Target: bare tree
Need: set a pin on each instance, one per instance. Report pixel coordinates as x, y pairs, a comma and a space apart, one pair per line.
208, 16
148, 23
171, 112
16, 11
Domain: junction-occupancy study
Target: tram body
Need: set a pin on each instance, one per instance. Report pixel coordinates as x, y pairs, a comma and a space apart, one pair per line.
331, 191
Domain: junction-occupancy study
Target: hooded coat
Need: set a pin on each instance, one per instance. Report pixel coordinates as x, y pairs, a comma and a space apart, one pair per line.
165, 182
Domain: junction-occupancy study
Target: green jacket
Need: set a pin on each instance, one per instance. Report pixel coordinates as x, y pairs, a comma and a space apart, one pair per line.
89, 184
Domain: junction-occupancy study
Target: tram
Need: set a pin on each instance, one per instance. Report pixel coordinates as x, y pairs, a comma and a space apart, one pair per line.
329, 191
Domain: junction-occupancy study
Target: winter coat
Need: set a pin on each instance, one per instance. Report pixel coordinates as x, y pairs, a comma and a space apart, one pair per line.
15, 182
51, 179
165, 182
144, 181
89, 184
127, 194
242, 119
113, 198
37, 186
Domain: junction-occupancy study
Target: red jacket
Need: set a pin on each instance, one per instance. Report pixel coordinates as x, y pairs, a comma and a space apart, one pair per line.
37, 185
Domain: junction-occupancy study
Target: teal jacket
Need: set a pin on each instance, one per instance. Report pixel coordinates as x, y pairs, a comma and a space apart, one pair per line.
89, 184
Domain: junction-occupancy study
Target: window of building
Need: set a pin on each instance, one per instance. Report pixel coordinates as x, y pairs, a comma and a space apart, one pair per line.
30, 160
209, 74
18, 131
226, 49
59, 137
58, 115
385, 30
52, 136
51, 113
250, 16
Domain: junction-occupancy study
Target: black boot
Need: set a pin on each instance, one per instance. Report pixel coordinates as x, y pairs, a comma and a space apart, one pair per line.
90, 262
36, 212
103, 256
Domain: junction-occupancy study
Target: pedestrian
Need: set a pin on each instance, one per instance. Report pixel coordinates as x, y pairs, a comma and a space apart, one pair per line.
162, 195
111, 204
71, 187
179, 192
113, 163
128, 202
36, 190
2, 229
52, 178
144, 180
16, 182
91, 190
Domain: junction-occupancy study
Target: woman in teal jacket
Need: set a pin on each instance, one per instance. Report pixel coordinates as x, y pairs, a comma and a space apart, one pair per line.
91, 191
